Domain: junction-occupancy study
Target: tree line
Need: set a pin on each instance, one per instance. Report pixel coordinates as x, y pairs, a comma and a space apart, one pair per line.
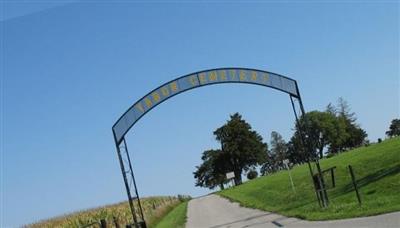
317, 133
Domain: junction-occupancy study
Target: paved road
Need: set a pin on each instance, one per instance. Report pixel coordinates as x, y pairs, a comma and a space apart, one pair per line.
213, 211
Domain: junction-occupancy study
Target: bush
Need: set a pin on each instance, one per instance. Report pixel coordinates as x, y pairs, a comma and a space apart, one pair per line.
183, 198
252, 174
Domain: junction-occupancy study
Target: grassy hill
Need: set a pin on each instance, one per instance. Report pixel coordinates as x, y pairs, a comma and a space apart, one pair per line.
376, 167
154, 209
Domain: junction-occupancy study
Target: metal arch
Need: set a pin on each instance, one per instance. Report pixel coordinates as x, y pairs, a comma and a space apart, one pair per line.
122, 150
295, 93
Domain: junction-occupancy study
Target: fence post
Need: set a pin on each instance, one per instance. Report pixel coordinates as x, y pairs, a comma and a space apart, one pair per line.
324, 194
103, 223
116, 223
353, 179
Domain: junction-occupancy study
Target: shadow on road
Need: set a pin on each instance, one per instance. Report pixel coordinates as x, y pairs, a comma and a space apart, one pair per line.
243, 220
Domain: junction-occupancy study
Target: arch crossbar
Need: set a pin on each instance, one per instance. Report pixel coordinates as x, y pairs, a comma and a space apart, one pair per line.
182, 84
195, 80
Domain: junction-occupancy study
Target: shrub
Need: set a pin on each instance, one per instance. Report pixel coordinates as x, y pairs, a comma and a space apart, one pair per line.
252, 174
183, 198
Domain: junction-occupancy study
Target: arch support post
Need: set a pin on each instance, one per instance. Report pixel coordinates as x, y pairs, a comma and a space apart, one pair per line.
138, 220
317, 178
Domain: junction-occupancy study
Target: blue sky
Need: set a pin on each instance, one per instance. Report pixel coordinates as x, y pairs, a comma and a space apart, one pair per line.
70, 70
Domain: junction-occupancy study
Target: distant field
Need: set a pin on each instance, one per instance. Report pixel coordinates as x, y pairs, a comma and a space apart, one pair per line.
154, 208
376, 167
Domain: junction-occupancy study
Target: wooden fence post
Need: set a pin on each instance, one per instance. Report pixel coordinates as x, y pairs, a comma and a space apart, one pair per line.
353, 179
103, 223
116, 223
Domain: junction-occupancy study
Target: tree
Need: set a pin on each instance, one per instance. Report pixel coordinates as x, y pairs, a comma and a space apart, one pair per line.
242, 146
211, 173
355, 134
295, 150
343, 109
333, 130
276, 155
278, 147
320, 130
331, 109
394, 129
340, 136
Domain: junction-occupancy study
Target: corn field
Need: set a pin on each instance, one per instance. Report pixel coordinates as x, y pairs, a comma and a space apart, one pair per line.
153, 209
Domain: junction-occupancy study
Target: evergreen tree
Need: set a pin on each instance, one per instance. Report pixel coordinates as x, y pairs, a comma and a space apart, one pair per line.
278, 148
295, 151
241, 150
242, 145
211, 173
394, 129
355, 134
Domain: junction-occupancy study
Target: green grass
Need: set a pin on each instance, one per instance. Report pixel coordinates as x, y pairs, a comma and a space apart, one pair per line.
176, 218
376, 168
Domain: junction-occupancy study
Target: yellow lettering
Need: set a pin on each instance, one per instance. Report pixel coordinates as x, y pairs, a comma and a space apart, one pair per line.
202, 78
140, 107
265, 77
193, 80
174, 86
254, 76
165, 91
156, 96
212, 76
232, 74
222, 75
242, 75
148, 102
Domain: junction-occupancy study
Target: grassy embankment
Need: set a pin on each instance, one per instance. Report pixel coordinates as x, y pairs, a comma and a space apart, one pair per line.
154, 209
376, 168
176, 218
